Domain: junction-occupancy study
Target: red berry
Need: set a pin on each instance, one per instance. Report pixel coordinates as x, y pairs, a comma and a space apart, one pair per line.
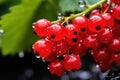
104, 66
41, 26
81, 22
72, 41
56, 32
105, 36
60, 47
109, 19
116, 30
114, 46
50, 58
72, 62
78, 49
115, 1
91, 42
95, 12
101, 55
71, 31
56, 68
116, 12
42, 47
96, 23
114, 60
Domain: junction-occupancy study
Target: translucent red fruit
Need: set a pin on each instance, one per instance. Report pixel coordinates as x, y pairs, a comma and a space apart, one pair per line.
78, 49
72, 62
81, 22
105, 36
109, 19
71, 31
114, 46
116, 12
96, 23
116, 30
95, 12
114, 60
40, 27
56, 32
56, 68
60, 48
42, 47
115, 1
101, 55
50, 58
104, 66
91, 42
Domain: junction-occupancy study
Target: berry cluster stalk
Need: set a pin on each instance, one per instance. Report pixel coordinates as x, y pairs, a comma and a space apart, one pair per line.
87, 11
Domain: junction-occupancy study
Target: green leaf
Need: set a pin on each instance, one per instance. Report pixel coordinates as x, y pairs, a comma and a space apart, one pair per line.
18, 33
91, 2
69, 6
73, 6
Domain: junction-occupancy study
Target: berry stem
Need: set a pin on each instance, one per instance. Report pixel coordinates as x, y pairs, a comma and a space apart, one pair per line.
87, 11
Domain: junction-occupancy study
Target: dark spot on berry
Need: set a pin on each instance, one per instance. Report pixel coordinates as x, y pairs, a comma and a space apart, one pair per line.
117, 52
89, 48
83, 29
75, 33
74, 39
52, 36
60, 58
98, 27
113, 63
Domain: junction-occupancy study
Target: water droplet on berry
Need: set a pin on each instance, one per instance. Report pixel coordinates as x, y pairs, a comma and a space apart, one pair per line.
37, 56
97, 66
81, 3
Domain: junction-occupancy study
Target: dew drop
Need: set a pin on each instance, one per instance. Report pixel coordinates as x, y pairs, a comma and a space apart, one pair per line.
81, 3
59, 15
37, 56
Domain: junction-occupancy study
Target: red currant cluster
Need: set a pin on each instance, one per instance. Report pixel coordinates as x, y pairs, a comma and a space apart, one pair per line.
64, 45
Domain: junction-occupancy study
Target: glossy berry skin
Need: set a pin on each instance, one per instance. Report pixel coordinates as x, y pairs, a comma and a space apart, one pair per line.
50, 58
56, 68
116, 12
116, 30
81, 22
104, 66
60, 48
114, 60
40, 27
91, 42
72, 41
105, 36
71, 31
109, 19
56, 32
42, 47
96, 23
114, 46
79, 49
72, 62
95, 12
115, 1
101, 56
